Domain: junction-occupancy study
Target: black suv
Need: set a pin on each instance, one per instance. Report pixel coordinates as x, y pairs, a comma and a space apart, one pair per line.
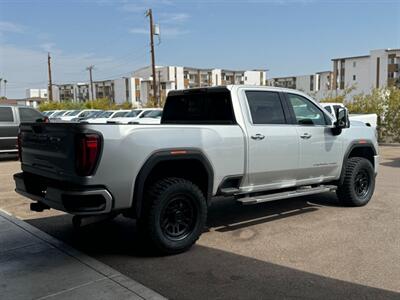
10, 118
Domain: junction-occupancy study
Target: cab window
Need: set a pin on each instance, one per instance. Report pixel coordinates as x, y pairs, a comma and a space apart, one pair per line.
29, 115
306, 112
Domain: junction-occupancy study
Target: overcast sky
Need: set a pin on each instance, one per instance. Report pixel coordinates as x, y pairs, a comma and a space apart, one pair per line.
287, 37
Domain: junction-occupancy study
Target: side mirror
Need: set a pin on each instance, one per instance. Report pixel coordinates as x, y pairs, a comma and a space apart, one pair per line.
342, 120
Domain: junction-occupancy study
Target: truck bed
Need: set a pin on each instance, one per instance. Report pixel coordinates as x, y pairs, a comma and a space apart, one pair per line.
49, 151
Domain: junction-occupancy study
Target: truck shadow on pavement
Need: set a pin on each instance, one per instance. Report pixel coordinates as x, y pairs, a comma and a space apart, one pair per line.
204, 272
119, 236
393, 162
227, 215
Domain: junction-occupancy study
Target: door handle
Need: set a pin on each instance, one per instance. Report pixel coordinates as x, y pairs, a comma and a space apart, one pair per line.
306, 136
258, 137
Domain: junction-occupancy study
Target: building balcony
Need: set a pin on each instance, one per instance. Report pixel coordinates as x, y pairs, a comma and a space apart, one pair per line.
392, 68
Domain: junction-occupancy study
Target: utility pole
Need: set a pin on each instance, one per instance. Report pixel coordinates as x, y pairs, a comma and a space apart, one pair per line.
90, 68
149, 14
1, 79
50, 87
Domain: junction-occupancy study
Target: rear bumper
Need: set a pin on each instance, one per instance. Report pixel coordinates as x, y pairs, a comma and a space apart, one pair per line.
77, 200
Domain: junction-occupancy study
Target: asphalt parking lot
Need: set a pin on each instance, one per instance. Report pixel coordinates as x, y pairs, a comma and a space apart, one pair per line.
307, 247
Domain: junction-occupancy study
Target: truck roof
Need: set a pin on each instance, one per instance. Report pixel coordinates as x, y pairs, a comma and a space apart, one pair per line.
230, 87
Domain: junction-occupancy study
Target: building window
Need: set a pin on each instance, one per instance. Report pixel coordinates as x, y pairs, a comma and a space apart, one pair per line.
354, 77
354, 64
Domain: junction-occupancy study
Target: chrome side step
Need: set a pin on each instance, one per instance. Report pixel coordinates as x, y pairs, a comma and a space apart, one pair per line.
301, 191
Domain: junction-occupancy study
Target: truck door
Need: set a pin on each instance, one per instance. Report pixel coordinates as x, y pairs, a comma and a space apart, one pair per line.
320, 150
8, 130
273, 145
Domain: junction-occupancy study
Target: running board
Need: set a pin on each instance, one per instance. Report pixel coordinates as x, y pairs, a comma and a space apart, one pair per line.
230, 191
302, 191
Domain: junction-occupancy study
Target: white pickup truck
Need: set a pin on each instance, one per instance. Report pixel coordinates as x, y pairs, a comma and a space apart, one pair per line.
254, 144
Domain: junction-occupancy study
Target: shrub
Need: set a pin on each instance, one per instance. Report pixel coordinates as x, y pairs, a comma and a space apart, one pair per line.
103, 103
385, 102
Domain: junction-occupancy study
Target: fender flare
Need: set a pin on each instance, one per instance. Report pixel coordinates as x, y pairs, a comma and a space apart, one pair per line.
169, 155
353, 145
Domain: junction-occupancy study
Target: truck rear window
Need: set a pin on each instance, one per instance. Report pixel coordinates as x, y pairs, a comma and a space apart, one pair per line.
205, 106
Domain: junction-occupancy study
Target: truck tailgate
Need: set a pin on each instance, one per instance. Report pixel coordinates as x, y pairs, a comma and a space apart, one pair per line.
48, 149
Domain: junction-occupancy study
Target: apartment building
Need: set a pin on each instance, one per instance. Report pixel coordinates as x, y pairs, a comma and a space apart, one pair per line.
36, 93
138, 88
306, 83
179, 77
167, 78
380, 68
117, 90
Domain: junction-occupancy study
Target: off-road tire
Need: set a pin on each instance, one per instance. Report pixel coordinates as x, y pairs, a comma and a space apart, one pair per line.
158, 201
358, 183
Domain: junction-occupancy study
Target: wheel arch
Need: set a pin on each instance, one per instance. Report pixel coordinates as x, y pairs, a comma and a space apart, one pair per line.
190, 164
363, 149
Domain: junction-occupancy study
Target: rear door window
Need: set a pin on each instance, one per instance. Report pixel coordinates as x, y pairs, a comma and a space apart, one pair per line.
6, 114
29, 114
265, 107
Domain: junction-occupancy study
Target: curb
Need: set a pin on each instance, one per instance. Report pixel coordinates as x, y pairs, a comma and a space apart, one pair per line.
110, 273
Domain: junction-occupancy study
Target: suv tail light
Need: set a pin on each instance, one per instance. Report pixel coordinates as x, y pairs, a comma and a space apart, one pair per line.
87, 152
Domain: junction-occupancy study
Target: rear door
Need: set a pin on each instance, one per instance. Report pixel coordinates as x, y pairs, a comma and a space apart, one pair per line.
320, 150
8, 130
273, 145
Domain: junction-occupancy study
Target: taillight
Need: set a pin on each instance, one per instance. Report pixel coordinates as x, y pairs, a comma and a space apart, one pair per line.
19, 146
87, 152
46, 120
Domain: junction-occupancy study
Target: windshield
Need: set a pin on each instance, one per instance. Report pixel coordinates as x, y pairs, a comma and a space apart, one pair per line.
48, 113
57, 114
104, 114
73, 113
152, 114
133, 113
120, 114
86, 114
